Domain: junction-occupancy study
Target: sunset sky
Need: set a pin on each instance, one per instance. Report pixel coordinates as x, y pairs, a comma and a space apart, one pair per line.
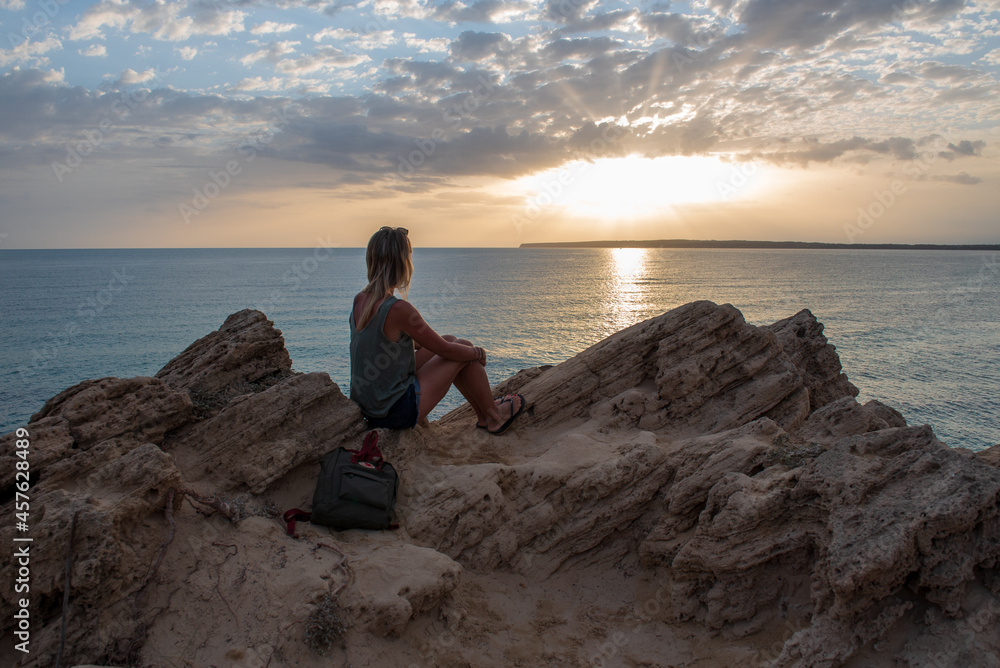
230, 124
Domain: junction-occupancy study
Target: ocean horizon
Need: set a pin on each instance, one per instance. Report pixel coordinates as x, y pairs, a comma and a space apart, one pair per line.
916, 330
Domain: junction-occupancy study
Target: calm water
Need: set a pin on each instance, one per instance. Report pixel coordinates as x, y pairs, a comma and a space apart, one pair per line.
916, 330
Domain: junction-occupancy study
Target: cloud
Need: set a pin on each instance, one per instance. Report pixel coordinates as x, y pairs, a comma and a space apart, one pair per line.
899, 77
401, 8
689, 83
899, 148
966, 147
130, 77
992, 57
30, 51
94, 51
567, 11
474, 46
804, 24
949, 73
272, 53
963, 149
619, 19
332, 33
271, 28
415, 74
583, 48
322, 60
483, 11
967, 94
675, 27
163, 20
366, 41
494, 152
436, 44
274, 84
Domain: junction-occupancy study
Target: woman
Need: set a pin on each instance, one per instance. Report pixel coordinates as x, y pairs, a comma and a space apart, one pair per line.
400, 367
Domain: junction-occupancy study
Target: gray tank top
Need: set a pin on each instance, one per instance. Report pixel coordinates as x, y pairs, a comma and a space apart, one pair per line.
381, 370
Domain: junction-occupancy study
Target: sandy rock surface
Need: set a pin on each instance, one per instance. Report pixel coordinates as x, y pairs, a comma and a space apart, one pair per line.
691, 491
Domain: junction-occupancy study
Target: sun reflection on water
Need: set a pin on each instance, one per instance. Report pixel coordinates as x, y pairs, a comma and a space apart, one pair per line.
626, 297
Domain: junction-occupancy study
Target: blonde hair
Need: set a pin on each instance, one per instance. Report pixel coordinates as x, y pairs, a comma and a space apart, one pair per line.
390, 266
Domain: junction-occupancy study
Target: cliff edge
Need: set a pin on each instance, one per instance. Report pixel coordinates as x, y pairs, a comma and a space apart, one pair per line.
692, 490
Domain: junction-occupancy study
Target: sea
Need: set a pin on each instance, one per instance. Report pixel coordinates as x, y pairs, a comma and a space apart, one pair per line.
917, 330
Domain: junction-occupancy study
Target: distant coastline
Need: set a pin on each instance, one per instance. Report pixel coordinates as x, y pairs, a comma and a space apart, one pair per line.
696, 243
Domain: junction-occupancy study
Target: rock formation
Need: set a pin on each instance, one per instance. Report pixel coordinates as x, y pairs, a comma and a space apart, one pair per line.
691, 489
245, 350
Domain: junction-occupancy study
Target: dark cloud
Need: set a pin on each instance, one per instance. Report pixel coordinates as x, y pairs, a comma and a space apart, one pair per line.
606, 21
367, 136
704, 87
675, 27
966, 147
494, 151
567, 11
814, 150
950, 73
820, 152
899, 77
474, 46
809, 23
902, 148
963, 149
967, 94
580, 47
694, 137
416, 75
356, 179
317, 138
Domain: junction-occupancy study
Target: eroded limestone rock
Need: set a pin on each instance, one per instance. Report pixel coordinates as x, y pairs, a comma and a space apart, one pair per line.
536, 515
801, 337
245, 350
118, 493
140, 409
730, 462
258, 438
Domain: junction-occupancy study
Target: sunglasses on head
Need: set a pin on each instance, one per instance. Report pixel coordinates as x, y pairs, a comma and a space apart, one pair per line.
401, 229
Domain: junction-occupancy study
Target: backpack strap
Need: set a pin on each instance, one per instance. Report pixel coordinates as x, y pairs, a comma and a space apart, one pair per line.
369, 452
290, 516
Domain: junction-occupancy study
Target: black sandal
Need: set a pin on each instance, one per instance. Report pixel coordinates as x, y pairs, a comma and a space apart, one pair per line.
513, 415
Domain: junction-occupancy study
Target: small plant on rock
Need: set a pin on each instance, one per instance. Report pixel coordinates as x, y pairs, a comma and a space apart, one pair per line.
324, 626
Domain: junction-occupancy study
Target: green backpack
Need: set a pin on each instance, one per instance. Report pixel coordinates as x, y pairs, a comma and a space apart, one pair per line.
356, 489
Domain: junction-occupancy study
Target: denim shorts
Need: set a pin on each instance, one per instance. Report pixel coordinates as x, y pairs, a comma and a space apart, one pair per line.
404, 413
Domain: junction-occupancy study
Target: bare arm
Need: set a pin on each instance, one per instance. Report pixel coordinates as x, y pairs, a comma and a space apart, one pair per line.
405, 318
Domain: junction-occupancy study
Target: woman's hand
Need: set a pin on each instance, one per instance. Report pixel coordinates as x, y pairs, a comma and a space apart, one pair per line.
482, 355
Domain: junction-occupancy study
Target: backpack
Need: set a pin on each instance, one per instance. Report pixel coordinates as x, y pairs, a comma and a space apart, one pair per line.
356, 489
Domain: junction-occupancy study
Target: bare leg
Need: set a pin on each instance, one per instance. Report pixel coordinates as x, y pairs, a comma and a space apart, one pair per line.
436, 375
469, 378
470, 381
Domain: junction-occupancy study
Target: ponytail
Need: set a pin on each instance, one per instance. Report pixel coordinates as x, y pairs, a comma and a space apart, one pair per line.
389, 267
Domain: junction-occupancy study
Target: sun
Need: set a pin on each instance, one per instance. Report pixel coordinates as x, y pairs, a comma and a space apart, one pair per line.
638, 187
